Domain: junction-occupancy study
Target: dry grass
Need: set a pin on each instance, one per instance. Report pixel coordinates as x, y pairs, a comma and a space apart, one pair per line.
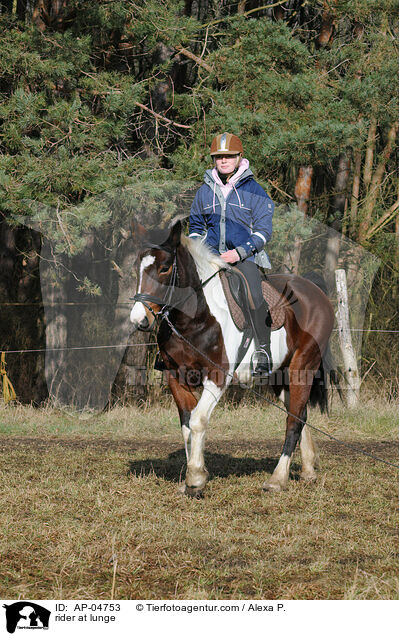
89, 507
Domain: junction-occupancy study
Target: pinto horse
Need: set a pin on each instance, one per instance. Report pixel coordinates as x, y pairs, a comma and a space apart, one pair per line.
178, 284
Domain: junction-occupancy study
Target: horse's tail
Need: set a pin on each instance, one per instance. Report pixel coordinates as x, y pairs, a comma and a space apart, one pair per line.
326, 376
328, 373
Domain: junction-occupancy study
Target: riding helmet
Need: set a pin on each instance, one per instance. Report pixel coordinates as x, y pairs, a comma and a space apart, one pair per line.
226, 144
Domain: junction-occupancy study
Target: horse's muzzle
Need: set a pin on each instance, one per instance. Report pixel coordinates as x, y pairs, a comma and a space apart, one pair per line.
144, 325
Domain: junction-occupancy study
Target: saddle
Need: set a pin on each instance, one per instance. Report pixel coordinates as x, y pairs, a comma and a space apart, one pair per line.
239, 299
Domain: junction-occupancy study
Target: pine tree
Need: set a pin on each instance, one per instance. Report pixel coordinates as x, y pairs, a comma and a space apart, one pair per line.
124, 97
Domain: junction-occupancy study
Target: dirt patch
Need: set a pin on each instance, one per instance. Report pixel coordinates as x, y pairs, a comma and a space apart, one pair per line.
383, 449
81, 500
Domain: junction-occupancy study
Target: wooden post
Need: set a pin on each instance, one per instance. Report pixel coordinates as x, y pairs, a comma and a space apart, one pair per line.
345, 340
302, 194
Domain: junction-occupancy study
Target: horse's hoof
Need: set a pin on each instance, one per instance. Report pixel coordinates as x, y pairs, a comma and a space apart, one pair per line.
308, 477
273, 486
194, 492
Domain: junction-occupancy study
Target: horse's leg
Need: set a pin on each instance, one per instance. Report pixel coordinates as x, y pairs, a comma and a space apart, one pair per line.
300, 382
186, 401
309, 455
197, 474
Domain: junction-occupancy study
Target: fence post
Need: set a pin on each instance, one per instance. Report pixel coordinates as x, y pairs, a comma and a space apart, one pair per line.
345, 340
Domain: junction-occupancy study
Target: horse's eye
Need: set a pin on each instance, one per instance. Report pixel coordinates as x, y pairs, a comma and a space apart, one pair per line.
164, 269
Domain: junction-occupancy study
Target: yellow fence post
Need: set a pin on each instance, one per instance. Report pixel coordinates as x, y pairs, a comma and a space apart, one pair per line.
8, 389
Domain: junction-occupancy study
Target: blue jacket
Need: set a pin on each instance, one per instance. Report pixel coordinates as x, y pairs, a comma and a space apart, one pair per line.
242, 222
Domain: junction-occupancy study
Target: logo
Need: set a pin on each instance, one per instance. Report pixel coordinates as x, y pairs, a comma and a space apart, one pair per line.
26, 615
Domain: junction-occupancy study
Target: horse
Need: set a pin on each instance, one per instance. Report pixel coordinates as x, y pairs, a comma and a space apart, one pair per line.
178, 286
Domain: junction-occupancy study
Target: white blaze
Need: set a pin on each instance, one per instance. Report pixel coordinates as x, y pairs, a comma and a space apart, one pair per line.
138, 314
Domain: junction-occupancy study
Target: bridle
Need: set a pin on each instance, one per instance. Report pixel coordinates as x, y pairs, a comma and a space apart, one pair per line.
165, 303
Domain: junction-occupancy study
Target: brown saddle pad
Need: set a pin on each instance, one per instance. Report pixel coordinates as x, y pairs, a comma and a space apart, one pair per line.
273, 298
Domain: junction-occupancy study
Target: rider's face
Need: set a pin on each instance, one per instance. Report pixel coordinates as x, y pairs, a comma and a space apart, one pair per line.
226, 164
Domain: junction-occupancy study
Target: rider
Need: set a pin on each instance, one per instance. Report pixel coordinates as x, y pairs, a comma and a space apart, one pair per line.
233, 215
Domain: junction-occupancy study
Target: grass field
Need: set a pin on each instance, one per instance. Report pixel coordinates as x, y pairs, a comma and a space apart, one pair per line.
91, 509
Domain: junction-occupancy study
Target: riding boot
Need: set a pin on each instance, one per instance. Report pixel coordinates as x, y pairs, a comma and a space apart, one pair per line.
262, 326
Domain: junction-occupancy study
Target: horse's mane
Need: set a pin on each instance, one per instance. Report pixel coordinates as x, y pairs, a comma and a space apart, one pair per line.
206, 261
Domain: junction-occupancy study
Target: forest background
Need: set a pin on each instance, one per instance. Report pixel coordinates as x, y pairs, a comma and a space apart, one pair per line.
111, 96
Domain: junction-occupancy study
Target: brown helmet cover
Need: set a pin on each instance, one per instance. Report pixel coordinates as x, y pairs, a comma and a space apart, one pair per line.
226, 144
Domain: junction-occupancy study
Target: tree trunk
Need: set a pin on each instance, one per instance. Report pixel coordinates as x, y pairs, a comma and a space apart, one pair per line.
396, 287
21, 9
344, 332
8, 256
303, 186
21, 312
338, 209
131, 382
375, 183
278, 13
53, 281
9, 318
152, 132
31, 365
327, 25
355, 192
370, 149
56, 14
302, 194
6, 6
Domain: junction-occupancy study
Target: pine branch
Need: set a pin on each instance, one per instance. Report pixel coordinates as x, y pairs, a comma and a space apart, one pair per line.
143, 107
158, 116
230, 17
195, 58
388, 216
275, 186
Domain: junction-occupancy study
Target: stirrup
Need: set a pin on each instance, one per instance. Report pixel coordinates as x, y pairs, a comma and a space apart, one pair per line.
263, 361
159, 364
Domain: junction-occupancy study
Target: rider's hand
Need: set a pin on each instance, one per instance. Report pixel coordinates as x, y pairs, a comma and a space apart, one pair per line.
231, 256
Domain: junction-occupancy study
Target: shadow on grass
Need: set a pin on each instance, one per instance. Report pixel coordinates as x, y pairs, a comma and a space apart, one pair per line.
219, 465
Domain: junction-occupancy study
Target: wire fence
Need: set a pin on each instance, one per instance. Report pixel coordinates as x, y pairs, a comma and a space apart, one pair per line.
48, 350
9, 394
146, 344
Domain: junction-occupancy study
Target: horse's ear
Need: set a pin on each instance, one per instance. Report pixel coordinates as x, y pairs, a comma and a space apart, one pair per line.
137, 230
175, 234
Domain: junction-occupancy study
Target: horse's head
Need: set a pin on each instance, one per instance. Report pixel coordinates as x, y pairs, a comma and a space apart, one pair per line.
156, 275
